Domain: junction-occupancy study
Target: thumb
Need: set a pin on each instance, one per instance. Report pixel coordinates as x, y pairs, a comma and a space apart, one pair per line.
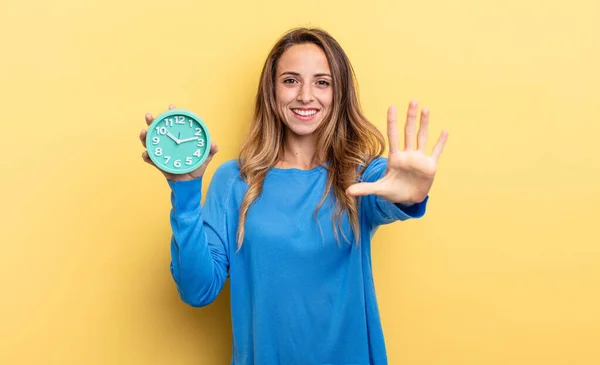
362, 189
199, 172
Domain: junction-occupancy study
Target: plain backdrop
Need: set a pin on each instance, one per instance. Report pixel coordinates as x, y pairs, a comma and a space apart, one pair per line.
503, 269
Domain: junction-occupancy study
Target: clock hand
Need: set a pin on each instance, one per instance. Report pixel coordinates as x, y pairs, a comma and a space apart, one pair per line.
173, 138
188, 139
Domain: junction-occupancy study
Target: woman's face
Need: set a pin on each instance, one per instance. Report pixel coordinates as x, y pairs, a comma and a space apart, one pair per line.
304, 90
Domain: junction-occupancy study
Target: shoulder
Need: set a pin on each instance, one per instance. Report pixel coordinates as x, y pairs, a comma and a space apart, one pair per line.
226, 174
375, 170
228, 168
224, 182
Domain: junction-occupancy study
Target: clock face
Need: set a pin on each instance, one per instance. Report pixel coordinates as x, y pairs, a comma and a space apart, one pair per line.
178, 141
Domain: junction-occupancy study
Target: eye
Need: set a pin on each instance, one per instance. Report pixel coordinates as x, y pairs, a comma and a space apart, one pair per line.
289, 81
323, 83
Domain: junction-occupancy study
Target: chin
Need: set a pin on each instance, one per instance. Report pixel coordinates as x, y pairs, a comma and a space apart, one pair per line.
302, 132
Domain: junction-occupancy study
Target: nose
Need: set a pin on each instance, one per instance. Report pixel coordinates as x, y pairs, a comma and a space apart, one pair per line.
305, 94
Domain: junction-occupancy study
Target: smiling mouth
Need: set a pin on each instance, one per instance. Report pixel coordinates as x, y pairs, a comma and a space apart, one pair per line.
305, 113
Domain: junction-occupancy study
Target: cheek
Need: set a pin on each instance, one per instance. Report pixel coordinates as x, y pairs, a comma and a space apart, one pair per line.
326, 97
284, 95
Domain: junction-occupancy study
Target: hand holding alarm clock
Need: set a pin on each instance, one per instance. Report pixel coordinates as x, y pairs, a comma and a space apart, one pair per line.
178, 143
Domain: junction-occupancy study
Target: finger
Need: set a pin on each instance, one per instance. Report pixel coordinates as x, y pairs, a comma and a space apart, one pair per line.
200, 171
410, 129
423, 130
171, 106
146, 158
213, 148
439, 146
149, 118
143, 137
362, 189
213, 151
392, 129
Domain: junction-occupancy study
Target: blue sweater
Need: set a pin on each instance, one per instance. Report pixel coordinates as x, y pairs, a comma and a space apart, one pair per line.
298, 297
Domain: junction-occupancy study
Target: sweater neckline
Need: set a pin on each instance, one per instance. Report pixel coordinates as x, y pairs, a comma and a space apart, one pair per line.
297, 171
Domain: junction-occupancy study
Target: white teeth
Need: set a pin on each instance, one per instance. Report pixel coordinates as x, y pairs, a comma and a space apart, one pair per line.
304, 113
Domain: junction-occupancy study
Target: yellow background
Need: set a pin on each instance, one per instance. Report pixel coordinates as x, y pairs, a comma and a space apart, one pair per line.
504, 268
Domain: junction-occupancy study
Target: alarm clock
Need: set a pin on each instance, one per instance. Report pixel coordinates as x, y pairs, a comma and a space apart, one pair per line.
178, 141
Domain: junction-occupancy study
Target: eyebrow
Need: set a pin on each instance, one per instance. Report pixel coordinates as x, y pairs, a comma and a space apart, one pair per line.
297, 74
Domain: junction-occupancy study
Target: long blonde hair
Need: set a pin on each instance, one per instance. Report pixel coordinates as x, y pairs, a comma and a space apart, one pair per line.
348, 140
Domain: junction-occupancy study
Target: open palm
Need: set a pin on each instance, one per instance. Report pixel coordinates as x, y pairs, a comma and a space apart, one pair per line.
410, 172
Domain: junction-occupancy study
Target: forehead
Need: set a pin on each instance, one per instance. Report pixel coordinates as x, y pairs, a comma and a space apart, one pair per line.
305, 58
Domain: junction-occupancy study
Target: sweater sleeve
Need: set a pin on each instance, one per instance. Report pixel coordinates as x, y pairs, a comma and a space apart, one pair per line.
199, 255
380, 211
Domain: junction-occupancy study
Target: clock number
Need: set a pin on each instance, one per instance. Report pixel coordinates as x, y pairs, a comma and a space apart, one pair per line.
179, 119
191, 125
158, 151
198, 132
161, 130
169, 122
177, 163
200, 143
197, 153
168, 158
188, 161
155, 140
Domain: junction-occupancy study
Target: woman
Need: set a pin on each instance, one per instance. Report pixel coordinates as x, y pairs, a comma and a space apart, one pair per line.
290, 222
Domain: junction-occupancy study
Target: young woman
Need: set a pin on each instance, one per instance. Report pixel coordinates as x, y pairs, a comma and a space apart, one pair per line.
290, 222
